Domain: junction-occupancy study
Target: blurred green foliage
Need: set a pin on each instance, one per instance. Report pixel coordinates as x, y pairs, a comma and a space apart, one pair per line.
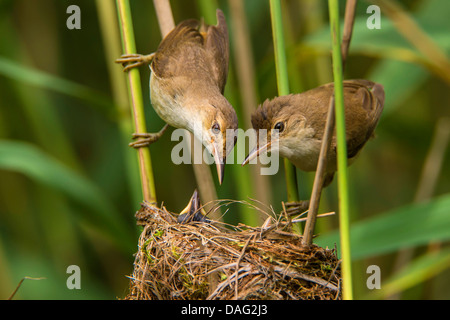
68, 181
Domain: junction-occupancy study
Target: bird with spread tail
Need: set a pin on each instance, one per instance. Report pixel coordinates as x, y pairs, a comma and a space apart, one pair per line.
188, 76
295, 124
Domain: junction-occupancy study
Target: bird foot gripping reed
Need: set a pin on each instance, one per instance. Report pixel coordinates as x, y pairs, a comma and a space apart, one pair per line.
200, 260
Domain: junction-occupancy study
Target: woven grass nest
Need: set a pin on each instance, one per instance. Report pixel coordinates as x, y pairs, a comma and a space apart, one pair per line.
213, 261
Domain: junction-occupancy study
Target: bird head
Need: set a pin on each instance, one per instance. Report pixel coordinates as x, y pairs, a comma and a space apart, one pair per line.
194, 211
280, 126
217, 129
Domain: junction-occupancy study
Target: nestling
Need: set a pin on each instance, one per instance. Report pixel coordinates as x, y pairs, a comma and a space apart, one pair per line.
188, 75
193, 211
295, 124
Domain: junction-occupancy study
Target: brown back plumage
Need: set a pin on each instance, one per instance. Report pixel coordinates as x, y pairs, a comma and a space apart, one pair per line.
195, 50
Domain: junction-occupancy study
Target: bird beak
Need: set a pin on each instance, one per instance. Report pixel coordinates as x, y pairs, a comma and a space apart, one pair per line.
188, 213
193, 211
220, 163
193, 205
256, 152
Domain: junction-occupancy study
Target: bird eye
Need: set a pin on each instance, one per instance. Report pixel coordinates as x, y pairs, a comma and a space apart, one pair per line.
279, 126
215, 128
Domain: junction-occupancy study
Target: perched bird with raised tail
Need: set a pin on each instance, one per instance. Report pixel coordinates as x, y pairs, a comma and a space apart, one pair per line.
188, 75
299, 121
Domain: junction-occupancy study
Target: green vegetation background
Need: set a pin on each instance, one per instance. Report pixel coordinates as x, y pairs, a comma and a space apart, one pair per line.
69, 187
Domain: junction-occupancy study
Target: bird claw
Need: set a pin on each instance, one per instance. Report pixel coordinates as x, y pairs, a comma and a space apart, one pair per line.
296, 207
146, 138
133, 60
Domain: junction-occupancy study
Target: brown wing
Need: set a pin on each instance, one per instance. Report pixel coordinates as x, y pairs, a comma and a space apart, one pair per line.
364, 102
195, 50
217, 47
171, 58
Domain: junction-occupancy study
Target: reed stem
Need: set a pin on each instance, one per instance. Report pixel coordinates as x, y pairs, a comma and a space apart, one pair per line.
136, 101
283, 88
241, 46
350, 10
341, 150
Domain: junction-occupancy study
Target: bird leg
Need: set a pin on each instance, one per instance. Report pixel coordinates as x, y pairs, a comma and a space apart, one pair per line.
133, 60
130, 61
148, 138
296, 207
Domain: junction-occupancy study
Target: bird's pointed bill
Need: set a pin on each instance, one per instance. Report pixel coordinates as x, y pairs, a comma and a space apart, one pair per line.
256, 152
193, 205
192, 212
220, 162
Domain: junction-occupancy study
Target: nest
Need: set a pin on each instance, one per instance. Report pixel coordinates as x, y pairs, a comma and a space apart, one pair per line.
198, 260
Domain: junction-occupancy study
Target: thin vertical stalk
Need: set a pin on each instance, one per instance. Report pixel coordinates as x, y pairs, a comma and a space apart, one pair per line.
136, 101
341, 150
283, 87
350, 10
164, 15
319, 177
260, 188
